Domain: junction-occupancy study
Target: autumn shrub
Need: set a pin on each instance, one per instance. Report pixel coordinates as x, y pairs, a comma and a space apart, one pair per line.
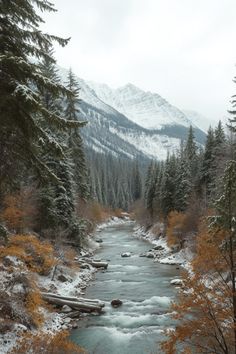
93, 212
33, 304
20, 300
118, 212
141, 214
175, 231
205, 310
20, 210
38, 256
46, 344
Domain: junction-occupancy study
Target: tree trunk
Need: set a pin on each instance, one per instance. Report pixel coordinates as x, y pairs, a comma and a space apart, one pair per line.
78, 304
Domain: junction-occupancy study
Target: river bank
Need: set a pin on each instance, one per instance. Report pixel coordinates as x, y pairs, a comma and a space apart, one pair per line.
68, 279
161, 252
76, 282
143, 286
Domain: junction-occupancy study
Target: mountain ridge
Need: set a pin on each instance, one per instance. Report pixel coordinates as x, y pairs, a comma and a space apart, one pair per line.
113, 127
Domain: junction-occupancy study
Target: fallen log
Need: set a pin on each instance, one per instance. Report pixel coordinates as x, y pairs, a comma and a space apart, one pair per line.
78, 299
99, 264
76, 305
93, 263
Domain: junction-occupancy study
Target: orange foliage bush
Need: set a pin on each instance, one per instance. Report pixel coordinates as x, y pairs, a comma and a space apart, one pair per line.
176, 229
19, 210
38, 256
92, 211
205, 311
46, 344
33, 303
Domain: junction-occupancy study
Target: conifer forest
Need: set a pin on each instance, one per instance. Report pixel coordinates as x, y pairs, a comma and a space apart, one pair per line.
117, 206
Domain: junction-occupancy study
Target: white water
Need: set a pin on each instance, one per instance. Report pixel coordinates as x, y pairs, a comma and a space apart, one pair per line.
144, 287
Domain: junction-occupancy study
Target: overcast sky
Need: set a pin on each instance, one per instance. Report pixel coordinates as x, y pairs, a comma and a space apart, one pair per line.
185, 50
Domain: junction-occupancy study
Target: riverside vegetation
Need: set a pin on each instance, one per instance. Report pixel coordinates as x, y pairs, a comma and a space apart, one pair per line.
53, 192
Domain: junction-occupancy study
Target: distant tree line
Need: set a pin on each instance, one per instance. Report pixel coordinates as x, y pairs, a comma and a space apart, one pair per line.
188, 177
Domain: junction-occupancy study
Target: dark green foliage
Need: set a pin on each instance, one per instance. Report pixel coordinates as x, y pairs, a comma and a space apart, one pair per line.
191, 174
116, 183
22, 113
75, 141
136, 183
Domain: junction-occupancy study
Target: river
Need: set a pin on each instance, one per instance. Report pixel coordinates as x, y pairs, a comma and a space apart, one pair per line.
144, 287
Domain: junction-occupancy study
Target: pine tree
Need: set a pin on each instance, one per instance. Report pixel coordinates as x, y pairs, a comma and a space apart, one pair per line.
191, 152
75, 141
183, 185
208, 165
168, 186
23, 116
136, 182
150, 185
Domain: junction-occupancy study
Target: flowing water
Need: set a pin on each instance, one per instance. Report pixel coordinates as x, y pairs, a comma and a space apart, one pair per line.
144, 287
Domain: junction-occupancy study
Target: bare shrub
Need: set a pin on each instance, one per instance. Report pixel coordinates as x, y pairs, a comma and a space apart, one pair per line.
38, 256
46, 344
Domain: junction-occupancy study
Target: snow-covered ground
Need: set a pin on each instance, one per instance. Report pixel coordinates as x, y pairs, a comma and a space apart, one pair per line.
165, 255
113, 221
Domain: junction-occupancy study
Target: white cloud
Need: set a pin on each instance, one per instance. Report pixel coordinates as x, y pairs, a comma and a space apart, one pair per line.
182, 49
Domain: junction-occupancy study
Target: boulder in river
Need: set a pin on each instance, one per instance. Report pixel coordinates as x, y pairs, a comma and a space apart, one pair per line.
99, 240
150, 255
158, 248
116, 303
126, 254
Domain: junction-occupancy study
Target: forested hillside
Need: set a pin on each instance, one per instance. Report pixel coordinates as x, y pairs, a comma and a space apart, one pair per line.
192, 194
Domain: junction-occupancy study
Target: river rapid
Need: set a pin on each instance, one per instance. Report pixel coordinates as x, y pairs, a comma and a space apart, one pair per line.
144, 287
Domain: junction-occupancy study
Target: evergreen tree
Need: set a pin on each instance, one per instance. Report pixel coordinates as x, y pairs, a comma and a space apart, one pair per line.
168, 186
191, 152
208, 165
136, 183
151, 184
75, 141
183, 185
23, 116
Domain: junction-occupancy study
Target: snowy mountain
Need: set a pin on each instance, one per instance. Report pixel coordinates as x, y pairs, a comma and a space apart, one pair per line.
130, 122
147, 109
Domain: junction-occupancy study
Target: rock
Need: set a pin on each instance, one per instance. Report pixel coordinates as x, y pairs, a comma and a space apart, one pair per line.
178, 282
66, 309
62, 278
67, 320
150, 255
126, 254
99, 240
74, 325
116, 303
142, 255
158, 248
84, 266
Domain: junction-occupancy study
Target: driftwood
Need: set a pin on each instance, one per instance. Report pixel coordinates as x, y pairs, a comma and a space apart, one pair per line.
99, 264
81, 304
95, 264
69, 298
